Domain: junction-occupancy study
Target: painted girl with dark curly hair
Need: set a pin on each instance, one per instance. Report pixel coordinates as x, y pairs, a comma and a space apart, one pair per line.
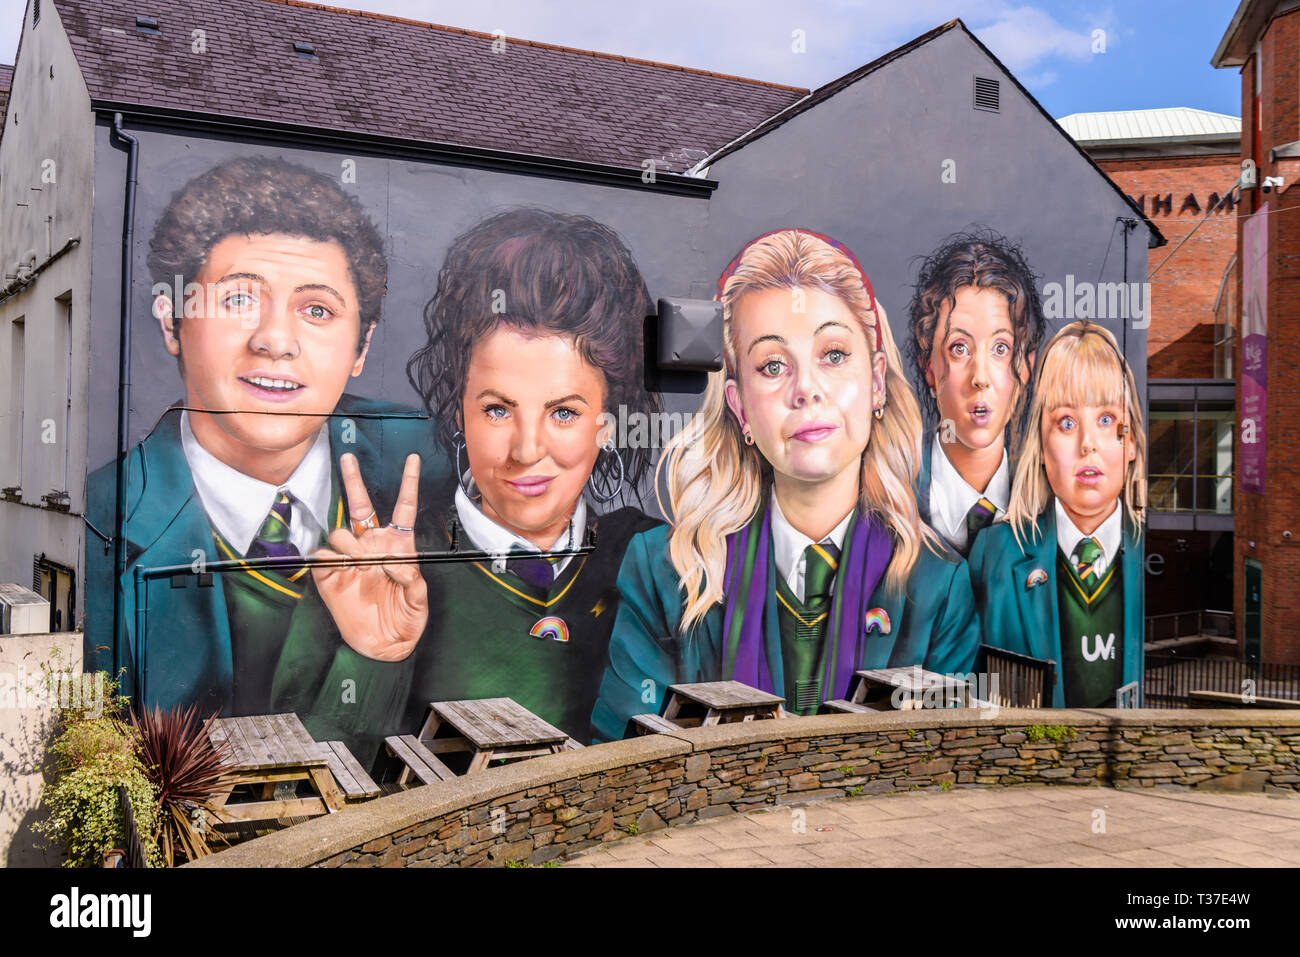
976, 323
534, 344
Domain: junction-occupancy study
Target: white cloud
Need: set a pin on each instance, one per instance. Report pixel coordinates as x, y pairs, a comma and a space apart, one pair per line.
1023, 37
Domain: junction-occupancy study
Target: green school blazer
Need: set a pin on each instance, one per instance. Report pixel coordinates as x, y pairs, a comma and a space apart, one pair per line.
184, 653
1023, 618
933, 623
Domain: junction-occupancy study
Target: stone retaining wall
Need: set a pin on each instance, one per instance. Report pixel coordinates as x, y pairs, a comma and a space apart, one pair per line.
546, 808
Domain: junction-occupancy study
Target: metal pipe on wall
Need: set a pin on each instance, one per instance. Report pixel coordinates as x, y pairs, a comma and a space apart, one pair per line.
124, 383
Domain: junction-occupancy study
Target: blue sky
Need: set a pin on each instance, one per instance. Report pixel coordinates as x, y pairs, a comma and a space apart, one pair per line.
1157, 52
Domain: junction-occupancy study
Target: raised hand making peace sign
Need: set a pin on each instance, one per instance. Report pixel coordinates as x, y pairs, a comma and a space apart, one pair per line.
380, 608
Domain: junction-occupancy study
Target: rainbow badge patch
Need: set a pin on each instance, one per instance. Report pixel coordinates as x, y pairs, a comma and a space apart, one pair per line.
1036, 577
550, 627
877, 619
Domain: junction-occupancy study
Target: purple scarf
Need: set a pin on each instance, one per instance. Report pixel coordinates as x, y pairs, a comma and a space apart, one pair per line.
749, 560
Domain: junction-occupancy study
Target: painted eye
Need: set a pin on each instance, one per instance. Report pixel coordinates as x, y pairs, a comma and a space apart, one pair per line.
1106, 420
1001, 350
959, 349
836, 356
318, 312
497, 412
1066, 423
772, 368
238, 300
564, 414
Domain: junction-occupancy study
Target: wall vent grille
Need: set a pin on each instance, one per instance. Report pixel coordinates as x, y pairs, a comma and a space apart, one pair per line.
988, 94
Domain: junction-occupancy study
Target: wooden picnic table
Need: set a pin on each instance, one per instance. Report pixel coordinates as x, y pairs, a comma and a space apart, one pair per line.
708, 703
489, 729
272, 749
874, 690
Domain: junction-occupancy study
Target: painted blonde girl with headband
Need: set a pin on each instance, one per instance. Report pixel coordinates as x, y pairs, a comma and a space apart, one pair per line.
1060, 578
796, 554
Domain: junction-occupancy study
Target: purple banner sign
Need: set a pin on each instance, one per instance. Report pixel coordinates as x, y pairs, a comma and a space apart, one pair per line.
1254, 351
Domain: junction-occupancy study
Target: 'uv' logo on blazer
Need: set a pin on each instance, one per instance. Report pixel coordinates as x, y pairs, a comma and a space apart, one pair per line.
877, 619
550, 627
1099, 648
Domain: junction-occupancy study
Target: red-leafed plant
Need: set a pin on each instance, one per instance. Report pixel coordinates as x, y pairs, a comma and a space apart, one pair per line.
187, 769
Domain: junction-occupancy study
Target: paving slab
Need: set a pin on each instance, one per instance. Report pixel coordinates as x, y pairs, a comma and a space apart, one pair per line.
1011, 827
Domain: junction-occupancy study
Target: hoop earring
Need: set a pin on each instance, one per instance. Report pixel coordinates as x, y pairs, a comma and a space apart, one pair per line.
749, 439
471, 490
606, 494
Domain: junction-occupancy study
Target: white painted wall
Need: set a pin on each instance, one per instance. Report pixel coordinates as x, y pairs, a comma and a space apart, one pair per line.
46, 198
25, 733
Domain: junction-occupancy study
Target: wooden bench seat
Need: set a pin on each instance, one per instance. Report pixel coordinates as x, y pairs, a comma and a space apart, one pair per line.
842, 706
653, 724
357, 785
419, 760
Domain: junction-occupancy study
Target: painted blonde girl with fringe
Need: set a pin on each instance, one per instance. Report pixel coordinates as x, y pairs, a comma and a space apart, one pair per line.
1060, 578
796, 554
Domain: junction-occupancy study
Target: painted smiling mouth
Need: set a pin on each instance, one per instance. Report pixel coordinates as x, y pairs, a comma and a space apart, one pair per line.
980, 410
272, 385
1089, 473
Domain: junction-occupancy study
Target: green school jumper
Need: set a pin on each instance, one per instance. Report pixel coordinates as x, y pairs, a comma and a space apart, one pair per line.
803, 649
1085, 615
263, 607
493, 635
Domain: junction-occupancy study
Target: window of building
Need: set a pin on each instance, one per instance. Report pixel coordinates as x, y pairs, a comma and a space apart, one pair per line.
64, 345
17, 367
1190, 448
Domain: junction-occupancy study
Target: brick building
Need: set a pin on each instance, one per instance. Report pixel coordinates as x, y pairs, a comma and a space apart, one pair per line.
1180, 166
1263, 42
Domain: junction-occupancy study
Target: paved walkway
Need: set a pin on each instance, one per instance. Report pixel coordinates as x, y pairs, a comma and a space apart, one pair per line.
1008, 827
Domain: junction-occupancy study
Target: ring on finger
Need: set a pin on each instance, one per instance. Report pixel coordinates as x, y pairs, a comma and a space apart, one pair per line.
360, 525
399, 528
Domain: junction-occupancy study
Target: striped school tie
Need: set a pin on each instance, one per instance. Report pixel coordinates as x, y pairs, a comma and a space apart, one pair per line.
1085, 555
979, 517
272, 539
820, 564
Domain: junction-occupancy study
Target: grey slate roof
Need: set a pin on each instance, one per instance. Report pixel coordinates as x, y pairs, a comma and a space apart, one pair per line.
386, 76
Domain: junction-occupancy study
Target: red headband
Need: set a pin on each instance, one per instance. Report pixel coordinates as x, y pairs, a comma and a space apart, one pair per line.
837, 246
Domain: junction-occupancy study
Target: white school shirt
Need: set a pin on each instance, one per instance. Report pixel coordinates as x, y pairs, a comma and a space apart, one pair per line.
238, 504
951, 496
788, 544
487, 536
1108, 535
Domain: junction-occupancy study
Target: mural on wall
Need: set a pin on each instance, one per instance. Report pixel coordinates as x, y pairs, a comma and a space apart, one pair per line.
1061, 577
509, 536
269, 281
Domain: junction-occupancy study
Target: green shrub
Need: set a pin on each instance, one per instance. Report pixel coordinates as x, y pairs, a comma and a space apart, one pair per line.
89, 759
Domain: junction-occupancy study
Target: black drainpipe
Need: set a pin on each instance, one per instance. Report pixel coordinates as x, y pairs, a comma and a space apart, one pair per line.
123, 388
